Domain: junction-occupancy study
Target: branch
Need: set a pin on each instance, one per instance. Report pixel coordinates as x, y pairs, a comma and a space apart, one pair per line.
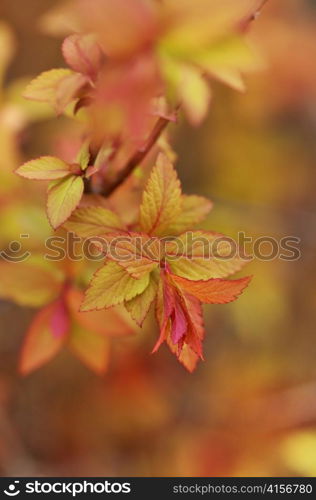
135, 161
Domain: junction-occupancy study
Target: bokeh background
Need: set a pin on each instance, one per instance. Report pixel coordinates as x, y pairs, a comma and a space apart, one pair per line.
250, 408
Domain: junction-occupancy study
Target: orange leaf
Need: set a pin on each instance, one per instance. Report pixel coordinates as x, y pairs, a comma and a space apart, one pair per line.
40, 344
214, 291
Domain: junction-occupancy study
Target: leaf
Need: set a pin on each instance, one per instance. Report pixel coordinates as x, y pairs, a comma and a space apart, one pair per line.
161, 203
44, 168
194, 210
90, 347
63, 197
60, 321
112, 285
68, 89
214, 291
108, 322
201, 255
164, 309
93, 221
40, 345
27, 284
43, 87
197, 24
139, 306
83, 156
194, 93
137, 253
187, 357
226, 59
82, 54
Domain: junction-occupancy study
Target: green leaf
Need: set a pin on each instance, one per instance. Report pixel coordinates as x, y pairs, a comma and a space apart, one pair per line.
63, 198
112, 285
44, 168
93, 221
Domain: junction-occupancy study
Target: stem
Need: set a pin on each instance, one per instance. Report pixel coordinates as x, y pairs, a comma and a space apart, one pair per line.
135, 160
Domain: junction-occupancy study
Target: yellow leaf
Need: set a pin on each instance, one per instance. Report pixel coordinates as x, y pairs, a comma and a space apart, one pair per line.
202, 255
43, 87
139, 306
227, 59
28, 284
44, 168
194, 210
194, 93
93, 221
63, 197
112, 285
161, 203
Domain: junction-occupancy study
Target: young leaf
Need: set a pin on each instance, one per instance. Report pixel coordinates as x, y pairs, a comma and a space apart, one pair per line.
83, 156
40, 345
43, 87
201, 255
112, 285
139, 306
28, 284
68, 90
161, 203
82, 54
194, 210
137, 253
63, 198
44, 168
93, 221
214, 291
90, 347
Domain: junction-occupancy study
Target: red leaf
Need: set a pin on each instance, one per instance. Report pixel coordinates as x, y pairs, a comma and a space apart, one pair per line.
60, 321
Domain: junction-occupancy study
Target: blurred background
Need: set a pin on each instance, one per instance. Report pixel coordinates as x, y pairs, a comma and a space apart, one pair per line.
250, 408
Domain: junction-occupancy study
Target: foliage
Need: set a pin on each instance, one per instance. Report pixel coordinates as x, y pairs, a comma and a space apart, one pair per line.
122, 92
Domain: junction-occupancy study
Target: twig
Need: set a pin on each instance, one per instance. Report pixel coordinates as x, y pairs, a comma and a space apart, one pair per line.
137, 158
